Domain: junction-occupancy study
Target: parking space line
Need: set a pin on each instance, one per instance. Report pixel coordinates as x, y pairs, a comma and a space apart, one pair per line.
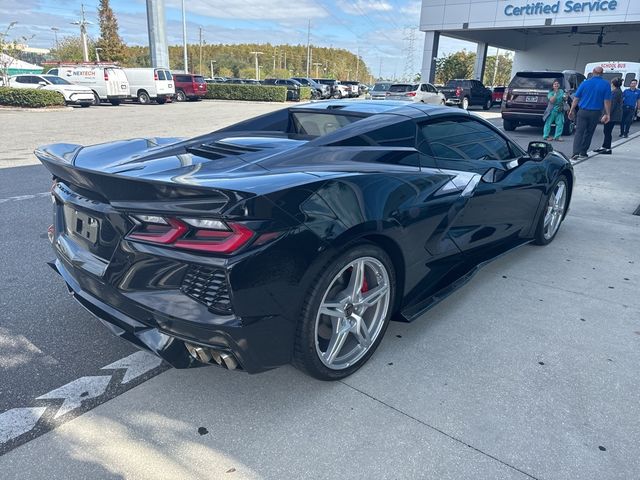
24, 197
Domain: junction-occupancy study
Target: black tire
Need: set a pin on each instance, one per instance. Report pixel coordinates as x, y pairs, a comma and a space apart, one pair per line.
96, 99
509, 125
464, 104
143, 97
487, 105
161, 101
306, 356
180, 96
540, 238
337, 95
569, 127
85, 105
115, 102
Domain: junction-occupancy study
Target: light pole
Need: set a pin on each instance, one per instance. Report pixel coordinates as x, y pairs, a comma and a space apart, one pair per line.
83, 34
97, 54
257, 68
184, 39
212, 62
55, 33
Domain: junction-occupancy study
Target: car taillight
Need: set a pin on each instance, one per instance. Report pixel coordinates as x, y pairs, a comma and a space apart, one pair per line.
155, 75
458, 91
106, 75
410, 94
204, 235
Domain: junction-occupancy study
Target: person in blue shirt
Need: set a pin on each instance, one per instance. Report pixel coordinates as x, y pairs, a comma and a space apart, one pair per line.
630, 103
592, 97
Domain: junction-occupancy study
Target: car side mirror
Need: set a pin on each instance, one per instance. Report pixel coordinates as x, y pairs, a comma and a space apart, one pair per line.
539, 150
42, 84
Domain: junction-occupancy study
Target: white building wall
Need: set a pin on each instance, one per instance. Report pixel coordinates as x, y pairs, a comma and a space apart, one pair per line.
497, 23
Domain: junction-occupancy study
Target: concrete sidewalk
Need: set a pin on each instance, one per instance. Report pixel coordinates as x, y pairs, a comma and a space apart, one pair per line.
529, 371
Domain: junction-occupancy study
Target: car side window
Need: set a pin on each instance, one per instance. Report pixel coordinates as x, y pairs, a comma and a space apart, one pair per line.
431, 88
423, 88
463, 139
401, 134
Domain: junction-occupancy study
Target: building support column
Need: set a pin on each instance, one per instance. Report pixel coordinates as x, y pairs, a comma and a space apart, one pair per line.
157, 34
481, 60
429, 55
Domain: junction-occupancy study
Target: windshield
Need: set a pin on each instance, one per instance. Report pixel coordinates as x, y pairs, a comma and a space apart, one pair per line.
316, 124
537, 81
402, 88
55, 80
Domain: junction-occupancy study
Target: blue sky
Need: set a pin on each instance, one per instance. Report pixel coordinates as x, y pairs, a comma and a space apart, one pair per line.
378, 29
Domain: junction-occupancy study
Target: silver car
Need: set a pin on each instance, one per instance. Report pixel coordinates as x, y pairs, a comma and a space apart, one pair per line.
379, 90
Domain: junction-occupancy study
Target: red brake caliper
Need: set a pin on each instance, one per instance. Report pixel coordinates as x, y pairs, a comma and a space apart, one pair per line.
365, 286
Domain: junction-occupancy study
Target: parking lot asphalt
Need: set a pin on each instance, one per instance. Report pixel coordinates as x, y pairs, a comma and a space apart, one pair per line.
529, 371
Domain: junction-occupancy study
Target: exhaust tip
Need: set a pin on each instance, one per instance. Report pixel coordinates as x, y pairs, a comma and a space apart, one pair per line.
212, 356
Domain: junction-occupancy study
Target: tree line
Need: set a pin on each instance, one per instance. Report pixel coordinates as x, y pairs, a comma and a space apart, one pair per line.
460, 65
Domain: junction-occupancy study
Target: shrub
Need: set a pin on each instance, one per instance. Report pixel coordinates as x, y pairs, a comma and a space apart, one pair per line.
305, 93
29, 97
256, 93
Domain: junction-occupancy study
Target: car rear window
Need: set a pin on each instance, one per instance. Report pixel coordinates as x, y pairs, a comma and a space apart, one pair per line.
160, 74
198, 79
628, 79
499, 90
535, 80
168, 75
316, 124
381, 87
402, 88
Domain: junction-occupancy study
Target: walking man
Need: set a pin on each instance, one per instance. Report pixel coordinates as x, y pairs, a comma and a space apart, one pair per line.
592, 97
630, 103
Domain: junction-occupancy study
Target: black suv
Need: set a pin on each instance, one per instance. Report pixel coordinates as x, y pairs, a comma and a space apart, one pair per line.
525, 99
293, 87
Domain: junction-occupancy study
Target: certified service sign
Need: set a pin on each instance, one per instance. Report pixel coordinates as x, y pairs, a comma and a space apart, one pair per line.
568, 6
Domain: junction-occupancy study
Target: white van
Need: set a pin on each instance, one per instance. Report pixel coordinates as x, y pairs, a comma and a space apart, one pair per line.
108, 82
628, 71
147, 84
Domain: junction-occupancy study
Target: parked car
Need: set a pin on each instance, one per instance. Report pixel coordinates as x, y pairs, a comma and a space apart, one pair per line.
497, 94
293, 87
189, 86
322, 91
337, 89
379, 90
150, 84
73, 94
354, 86
301, 233
215, 80
525, 99
415, 92
108, 82
467, 93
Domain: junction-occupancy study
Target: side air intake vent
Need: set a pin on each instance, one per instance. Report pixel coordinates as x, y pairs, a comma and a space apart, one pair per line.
208, 286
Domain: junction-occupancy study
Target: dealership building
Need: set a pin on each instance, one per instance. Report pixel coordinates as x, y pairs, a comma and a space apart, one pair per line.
560, 34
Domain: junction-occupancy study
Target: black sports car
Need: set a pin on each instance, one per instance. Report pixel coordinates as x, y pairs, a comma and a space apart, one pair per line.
294, 236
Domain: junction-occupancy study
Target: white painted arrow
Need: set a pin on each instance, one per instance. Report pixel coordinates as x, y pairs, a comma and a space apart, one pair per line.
78, 391
17, 421
136, 364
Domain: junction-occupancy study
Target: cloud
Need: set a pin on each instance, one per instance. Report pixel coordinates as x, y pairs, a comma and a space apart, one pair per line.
251, 9
364, 7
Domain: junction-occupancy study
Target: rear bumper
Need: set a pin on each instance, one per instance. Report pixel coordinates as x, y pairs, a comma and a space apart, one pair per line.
256, 346
453, 101
528, 118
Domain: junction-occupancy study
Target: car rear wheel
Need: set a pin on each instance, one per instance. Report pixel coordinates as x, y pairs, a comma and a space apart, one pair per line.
487, 104
144, 98
115, 103
346, 313
509, 125
85, 105
180, 96
96, 99
552, 217
161, 101
465, 103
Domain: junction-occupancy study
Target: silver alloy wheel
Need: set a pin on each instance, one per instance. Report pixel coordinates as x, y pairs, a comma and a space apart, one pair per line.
555, 210
465, 103
352, 313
